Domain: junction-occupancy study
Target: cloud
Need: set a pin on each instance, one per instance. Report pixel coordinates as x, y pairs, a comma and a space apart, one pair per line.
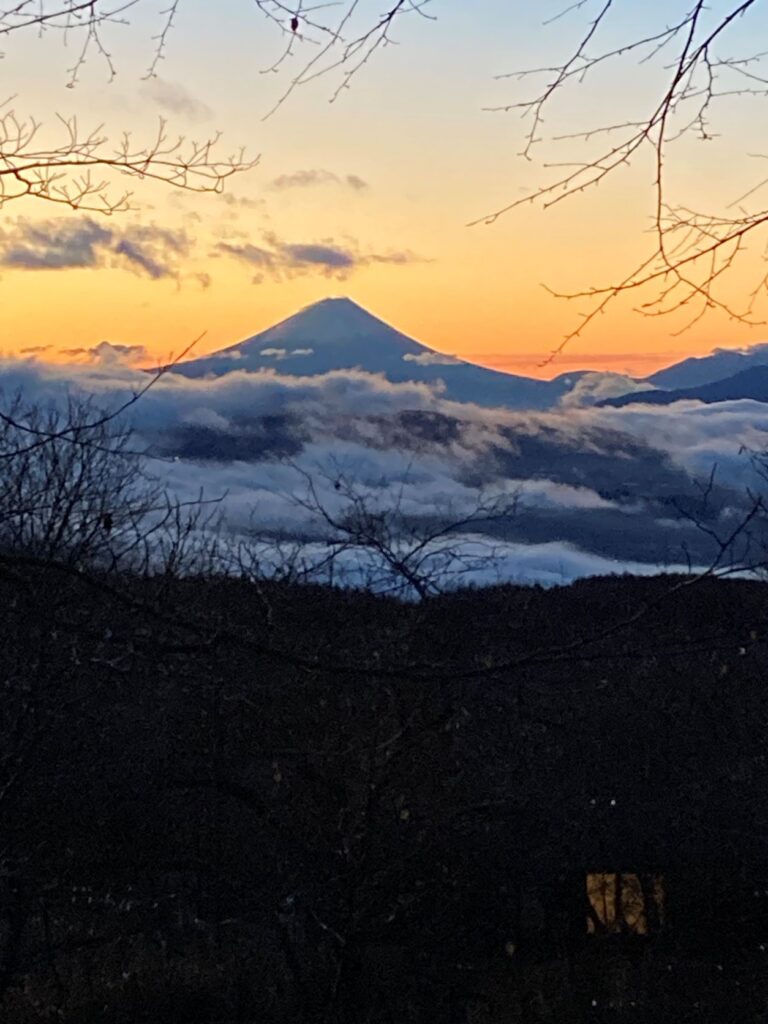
107, 354
284, 353
138, 256
542, 493
33, 350
82, 243
54, 245
355, 182
431, 359
248, 253
176, 99
330, 257
593, 388
697, 436
595, 486
277, 259
315, 177
246, 202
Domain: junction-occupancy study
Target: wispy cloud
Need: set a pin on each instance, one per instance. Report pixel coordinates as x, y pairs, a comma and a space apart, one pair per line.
593, 388
329, 257
246, 202
315, 177
277, 259
83, 243
285, 353
107, 354
430, 359
176, 99
35, 350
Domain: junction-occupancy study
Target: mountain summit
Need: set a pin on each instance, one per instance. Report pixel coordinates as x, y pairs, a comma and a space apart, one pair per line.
338, 334
335, 329
328, 321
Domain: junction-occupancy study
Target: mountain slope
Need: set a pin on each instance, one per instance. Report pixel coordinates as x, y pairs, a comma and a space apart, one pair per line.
750, 384
719, 365
337, 334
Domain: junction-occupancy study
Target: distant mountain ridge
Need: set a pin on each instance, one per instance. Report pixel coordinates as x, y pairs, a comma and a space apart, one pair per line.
718, 365
337, 334
749, 384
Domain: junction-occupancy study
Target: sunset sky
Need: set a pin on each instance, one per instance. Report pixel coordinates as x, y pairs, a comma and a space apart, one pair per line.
368, 196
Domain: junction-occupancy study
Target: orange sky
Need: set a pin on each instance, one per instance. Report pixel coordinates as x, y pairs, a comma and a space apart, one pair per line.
412, 129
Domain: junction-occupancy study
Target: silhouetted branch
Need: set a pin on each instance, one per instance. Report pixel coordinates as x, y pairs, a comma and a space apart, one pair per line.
693, 251
80, 171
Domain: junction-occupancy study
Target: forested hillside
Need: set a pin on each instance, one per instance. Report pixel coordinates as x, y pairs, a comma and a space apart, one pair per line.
227, 800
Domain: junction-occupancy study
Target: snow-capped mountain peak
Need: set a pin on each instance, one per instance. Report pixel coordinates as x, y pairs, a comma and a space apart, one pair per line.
338, 334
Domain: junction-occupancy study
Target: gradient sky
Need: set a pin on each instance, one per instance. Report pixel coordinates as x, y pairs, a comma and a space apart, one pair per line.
411, 128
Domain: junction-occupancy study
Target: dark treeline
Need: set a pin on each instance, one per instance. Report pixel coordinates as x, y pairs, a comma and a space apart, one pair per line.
226, 801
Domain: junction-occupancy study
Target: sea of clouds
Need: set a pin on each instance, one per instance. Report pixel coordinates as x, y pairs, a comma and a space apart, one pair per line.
350, 427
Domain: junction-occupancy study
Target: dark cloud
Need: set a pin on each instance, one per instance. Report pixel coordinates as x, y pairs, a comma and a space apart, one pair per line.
152, 250
54, 245
140, 259
278, 259
84, 243
248, 253
176, 99
327, 256
33, 350
315, 177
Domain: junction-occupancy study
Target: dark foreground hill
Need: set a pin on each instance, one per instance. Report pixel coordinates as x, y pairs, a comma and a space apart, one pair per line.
223, 801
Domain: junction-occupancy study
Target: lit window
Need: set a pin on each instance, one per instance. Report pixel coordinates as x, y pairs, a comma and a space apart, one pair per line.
624, 904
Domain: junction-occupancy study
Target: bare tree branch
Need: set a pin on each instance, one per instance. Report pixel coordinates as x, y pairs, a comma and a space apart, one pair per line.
693, 251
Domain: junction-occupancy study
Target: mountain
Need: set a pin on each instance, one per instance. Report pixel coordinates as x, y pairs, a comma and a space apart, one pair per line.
751, 384
337, 334
719, 365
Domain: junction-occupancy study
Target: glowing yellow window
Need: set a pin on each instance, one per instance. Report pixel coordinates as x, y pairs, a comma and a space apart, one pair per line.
624, 904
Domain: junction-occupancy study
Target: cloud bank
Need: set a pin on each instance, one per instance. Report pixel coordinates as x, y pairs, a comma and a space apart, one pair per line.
82, 243
595, 488
317, 177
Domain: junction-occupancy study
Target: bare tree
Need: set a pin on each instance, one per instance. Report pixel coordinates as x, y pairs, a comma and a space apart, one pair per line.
345, 34
354, 537
79, 170
75, 491
691, 50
